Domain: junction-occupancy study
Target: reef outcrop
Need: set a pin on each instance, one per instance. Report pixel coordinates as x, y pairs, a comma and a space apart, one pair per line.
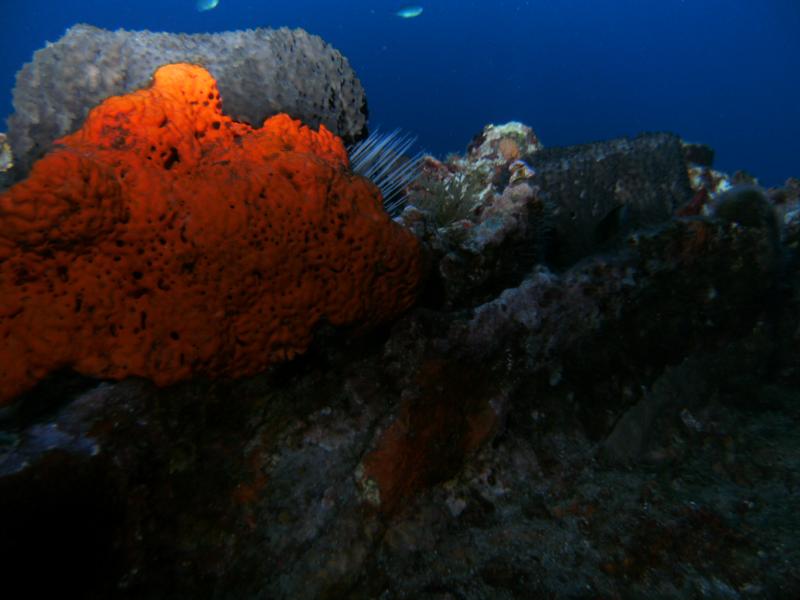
260, 72
595, 395
164, 240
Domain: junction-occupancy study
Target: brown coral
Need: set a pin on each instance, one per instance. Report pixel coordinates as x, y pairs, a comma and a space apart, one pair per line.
165, 240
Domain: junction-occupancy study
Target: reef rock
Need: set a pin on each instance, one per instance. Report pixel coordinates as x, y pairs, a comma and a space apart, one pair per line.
616, 422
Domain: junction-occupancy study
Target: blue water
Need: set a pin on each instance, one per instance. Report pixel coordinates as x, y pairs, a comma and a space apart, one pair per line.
723, 72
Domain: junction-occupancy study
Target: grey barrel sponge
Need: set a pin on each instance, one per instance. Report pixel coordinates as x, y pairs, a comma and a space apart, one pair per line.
260, 72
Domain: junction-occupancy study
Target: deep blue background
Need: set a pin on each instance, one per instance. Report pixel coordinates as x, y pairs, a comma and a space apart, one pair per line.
724, 72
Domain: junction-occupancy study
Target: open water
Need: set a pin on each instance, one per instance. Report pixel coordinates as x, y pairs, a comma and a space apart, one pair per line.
722, 72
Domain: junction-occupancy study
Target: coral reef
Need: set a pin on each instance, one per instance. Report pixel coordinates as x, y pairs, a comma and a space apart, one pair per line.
260, 72
454, 191
555, 417
447, 197
509, 204
165, 240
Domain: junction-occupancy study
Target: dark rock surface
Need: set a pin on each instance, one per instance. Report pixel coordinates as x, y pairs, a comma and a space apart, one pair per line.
623, 427
604, 190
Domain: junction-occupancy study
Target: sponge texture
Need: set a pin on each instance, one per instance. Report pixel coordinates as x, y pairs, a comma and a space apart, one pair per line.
165, 240
260, 73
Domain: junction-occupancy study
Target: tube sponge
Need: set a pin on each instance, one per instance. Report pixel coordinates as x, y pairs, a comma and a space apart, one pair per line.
165, 240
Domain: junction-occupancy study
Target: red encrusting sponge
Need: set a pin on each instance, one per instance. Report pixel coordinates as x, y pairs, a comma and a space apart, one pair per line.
164, 240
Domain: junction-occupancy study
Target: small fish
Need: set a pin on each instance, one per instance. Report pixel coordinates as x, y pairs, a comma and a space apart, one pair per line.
409, 12
203, 5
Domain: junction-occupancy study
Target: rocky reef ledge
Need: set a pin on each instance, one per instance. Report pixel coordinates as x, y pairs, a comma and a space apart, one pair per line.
596, 396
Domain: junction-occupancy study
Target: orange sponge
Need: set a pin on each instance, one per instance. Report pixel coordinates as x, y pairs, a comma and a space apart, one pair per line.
165, 240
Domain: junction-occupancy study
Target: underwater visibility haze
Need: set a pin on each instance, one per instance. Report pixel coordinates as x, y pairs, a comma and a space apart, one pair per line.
532, 331
719, 72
